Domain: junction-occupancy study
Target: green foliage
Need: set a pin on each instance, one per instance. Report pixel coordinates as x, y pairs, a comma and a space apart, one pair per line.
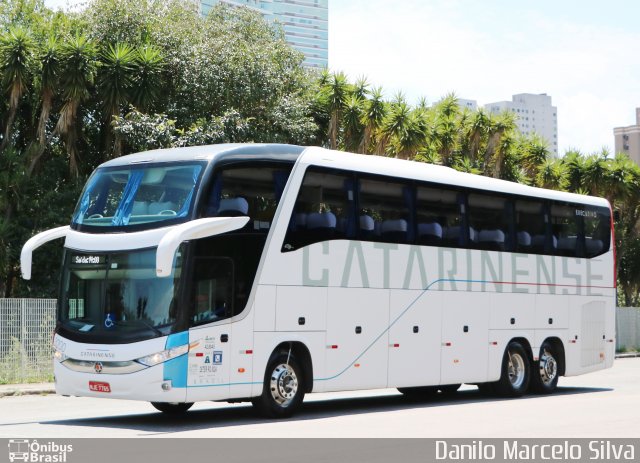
123, 76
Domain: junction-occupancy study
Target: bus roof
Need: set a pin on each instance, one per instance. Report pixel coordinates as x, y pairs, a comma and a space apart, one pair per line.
209, 153
348, 161
433, 173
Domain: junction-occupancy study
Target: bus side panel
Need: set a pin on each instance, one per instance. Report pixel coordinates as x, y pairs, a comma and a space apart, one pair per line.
465, 337
357, 338
301, 308
264, 308
209, 363
552, 311
587, 335
414, 338
241, 373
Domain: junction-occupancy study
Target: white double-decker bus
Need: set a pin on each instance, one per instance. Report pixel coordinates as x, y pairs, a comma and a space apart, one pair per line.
264, 272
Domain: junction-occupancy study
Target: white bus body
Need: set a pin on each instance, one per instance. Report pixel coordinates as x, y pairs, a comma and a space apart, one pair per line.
370, 307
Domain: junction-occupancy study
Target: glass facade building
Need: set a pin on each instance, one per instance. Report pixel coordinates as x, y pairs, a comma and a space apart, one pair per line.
305, 23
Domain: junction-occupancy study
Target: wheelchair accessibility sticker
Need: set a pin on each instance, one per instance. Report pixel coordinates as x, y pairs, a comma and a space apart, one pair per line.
217, 357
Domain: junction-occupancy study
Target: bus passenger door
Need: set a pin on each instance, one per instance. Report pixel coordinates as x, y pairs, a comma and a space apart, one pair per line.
465, 337
209, 355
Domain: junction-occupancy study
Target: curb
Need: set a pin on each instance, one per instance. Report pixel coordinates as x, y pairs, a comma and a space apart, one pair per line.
15, 390
628, 355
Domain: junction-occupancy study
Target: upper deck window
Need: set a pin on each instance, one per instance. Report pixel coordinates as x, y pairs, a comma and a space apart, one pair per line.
139, 195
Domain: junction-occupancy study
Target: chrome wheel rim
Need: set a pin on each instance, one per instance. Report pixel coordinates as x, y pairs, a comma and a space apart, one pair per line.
516, 370
548, 367
284, 384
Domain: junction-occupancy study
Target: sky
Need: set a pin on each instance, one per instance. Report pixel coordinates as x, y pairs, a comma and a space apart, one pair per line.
581, 53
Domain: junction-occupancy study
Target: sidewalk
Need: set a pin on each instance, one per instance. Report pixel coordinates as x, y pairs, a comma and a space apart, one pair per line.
49, 388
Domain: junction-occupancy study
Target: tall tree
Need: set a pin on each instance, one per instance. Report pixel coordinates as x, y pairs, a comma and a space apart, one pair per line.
16, 60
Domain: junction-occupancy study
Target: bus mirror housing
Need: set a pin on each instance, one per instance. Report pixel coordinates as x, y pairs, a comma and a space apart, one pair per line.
35, 242
200, 228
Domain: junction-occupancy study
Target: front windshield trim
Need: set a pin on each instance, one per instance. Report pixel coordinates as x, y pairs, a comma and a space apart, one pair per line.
123, 225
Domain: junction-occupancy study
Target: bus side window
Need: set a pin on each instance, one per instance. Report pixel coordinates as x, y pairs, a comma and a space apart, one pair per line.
385, 211
530, 231
565, 230
324, 210
597, 230
438, 217
489, 222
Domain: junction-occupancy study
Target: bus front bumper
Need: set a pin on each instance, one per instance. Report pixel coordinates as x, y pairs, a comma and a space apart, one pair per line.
146, 385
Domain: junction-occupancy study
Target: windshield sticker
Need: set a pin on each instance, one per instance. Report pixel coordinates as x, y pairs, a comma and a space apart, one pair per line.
108, 322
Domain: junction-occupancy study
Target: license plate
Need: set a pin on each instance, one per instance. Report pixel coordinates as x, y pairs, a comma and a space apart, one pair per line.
97, 386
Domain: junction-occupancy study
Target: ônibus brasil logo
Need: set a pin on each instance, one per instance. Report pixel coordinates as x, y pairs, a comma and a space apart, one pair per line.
33, 451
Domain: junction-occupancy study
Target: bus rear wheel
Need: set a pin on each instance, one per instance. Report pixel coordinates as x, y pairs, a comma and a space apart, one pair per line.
170, 408
544, 378
283, 389
516, 372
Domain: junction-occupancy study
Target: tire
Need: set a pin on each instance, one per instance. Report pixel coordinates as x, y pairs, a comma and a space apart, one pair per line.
516, 372
449, 389
283, 389
417, 392
544, 374
170, 408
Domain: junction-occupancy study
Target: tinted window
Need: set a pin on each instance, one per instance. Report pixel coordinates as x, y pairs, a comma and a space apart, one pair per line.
489, 222
247, 191
439, 221
597, 229
565, 234
324, 210
531, 234
385, 211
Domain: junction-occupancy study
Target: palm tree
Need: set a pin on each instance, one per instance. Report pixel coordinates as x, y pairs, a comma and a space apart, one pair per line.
149, 66
16, 57
394, 124
114, 84
351, 121
477, 130
552, 174
361, 88
335, 93
76, 78
375, 110
48, 82
498, 126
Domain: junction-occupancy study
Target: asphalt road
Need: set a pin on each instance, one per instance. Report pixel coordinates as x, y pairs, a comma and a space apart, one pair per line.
598, 405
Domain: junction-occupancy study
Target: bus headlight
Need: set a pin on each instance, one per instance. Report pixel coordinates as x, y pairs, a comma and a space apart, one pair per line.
160, 357
59, 355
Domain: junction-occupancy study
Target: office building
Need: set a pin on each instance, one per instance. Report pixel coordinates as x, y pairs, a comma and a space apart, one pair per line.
627, 139
535, 114
305, 24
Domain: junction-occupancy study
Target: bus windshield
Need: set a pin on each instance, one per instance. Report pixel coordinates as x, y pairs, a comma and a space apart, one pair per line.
117, 296
128, 196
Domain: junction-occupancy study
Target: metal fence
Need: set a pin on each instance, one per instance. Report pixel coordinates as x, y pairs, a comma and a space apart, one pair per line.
25, 340
26, 326
628, 328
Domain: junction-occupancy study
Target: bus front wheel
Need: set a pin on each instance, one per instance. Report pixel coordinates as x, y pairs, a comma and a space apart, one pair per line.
516, 372
283, 389
172, 408
544, 378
